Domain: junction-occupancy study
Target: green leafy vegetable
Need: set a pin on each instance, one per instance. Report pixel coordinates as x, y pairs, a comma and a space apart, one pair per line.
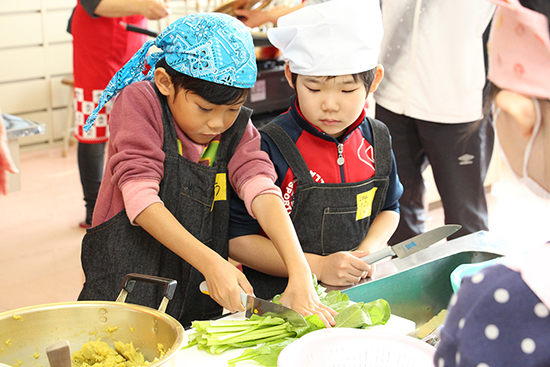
266, 355
267, 336
336, 300
379, 311
352, 317
218, 336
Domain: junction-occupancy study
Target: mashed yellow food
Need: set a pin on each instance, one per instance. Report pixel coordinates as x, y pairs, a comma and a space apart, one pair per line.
100, 354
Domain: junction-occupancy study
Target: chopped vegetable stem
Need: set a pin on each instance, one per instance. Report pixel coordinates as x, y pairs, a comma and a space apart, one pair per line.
245, 336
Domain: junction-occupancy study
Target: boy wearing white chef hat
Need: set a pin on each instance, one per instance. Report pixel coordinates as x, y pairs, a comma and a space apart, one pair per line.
335, 165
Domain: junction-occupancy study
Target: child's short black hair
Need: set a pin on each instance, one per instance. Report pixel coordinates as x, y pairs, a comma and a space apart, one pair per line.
366, 77
212, 92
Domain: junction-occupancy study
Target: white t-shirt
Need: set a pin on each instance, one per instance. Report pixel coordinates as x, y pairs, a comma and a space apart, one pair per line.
432, 53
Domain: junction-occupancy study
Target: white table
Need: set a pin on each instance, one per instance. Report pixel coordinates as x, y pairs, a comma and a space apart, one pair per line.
195, 357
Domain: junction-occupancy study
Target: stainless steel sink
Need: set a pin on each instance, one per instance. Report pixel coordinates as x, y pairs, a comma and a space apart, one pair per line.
419, 287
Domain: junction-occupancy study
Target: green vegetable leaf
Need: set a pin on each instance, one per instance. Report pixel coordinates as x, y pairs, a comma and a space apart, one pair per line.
266, 355
352, 317
379, 311
313, 323
267, 320
271, 334
336, 300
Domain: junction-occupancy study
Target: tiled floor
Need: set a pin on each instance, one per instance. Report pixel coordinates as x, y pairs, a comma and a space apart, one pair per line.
40, 238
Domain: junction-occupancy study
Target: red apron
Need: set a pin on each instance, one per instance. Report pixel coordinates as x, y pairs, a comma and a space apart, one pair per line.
101, 46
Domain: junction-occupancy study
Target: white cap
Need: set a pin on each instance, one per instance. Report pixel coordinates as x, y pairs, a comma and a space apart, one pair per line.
338, 37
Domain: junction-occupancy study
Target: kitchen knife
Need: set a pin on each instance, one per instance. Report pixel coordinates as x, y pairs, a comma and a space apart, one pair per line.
414, 244
262, 307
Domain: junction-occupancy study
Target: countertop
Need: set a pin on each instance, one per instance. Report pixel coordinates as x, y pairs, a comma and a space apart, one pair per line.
195, 357
17, 127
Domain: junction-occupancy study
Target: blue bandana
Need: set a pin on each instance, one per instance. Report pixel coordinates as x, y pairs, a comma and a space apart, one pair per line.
210, 46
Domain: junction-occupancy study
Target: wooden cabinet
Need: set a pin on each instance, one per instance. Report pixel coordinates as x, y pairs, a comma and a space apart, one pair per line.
35, 53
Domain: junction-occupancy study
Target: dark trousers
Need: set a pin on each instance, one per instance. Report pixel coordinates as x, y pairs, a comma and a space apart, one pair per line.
91, 166
459, 155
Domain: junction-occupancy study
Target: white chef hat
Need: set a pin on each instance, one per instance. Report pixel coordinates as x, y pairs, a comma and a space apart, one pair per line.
337, 37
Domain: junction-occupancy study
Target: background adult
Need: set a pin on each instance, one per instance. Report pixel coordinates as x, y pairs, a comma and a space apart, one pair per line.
101, 46
432, 53
500, 316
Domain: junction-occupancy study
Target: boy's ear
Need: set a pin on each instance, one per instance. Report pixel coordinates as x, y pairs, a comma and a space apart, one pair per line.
288, 75
163, 81
377, 78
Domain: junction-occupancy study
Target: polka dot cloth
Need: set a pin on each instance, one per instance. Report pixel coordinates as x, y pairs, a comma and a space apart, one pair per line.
495, 321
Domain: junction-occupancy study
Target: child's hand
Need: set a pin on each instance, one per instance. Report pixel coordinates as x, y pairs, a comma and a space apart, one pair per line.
344, 268
225, 283
306, 303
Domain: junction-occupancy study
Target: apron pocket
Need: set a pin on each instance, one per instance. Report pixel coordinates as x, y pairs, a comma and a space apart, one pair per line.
194, 212
342, 220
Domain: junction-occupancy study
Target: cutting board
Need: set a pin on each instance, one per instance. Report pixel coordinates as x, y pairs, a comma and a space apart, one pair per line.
194, 357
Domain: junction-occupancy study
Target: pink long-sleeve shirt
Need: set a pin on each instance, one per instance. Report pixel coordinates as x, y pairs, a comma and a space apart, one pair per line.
135, 164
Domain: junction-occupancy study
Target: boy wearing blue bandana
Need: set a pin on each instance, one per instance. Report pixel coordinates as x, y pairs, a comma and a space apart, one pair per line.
335, 166
181, 142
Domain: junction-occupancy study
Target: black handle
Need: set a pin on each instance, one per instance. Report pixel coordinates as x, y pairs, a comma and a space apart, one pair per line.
136, 29
129, 283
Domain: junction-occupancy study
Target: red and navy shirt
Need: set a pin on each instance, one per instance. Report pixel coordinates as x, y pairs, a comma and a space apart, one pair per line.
320, 152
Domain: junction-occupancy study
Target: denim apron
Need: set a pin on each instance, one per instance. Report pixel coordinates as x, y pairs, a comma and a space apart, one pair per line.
198, 196
328, 217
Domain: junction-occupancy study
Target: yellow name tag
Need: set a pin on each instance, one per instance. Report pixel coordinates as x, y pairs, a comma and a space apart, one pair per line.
364, 204
220, 189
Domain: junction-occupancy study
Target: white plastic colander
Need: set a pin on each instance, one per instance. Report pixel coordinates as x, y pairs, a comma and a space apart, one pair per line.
344, 347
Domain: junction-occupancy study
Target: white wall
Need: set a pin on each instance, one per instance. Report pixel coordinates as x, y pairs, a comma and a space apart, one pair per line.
36, 54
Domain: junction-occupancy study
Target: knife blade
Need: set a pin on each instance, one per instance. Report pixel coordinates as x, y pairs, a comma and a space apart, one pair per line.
257, 306
414, 244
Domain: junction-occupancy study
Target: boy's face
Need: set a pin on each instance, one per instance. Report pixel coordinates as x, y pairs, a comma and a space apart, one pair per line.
199, 119
331, 104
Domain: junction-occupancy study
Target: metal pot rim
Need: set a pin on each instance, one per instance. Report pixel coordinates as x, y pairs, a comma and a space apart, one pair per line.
179, 330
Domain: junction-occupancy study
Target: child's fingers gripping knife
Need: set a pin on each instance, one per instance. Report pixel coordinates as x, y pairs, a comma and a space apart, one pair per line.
226, 287
343, 268
226, 297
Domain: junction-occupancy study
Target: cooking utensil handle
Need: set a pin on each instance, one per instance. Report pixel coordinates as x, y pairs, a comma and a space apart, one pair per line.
129, 283
378, 255
59, 354
204, 289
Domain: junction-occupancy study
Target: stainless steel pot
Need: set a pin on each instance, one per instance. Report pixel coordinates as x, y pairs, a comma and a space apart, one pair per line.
25, 333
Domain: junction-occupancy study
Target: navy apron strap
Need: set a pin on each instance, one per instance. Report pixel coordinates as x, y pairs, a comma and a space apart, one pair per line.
290, 152
382, 148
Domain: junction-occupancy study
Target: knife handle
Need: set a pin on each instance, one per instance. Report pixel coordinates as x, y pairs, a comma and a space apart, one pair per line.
378, 255
204, 289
